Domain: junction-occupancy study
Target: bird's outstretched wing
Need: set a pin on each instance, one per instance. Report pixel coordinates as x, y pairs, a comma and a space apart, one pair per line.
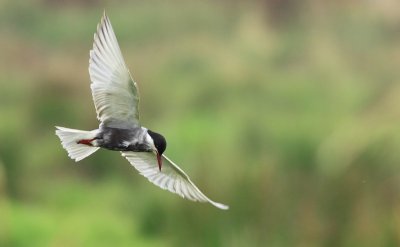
114, 92
171, 177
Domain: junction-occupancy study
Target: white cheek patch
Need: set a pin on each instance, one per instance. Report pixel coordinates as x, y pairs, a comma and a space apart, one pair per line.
150, 141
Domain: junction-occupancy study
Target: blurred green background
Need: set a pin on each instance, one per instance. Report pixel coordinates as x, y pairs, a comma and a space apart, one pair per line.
288, 111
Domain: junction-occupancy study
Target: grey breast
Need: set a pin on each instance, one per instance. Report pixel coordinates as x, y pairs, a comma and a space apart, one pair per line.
123, 139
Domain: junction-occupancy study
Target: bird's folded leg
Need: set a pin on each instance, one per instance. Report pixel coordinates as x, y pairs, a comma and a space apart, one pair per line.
87, 142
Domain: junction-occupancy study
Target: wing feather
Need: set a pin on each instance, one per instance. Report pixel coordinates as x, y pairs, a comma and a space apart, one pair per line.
171, 177
115, 94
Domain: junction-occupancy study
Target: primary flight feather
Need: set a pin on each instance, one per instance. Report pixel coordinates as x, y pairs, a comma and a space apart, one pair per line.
116, 99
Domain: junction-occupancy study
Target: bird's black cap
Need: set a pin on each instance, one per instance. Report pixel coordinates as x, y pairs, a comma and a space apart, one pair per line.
159, 141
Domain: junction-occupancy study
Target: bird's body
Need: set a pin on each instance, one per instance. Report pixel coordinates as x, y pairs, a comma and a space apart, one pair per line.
116, 139
116, 98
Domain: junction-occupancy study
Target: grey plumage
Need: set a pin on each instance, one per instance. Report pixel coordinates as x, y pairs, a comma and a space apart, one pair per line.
116, 139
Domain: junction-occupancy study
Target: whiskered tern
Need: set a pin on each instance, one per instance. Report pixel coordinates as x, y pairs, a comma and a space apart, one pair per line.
116, 99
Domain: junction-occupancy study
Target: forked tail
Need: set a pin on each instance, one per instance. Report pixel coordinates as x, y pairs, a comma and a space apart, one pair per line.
71, 140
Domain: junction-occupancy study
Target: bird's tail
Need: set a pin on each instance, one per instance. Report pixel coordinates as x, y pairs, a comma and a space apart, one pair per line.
74, 142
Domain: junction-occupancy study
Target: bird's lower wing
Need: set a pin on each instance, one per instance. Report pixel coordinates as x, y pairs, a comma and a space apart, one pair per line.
171, 177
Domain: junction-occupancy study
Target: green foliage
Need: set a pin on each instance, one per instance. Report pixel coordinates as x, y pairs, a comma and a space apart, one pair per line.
293, 123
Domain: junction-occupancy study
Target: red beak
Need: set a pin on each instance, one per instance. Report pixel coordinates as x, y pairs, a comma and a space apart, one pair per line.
159, 159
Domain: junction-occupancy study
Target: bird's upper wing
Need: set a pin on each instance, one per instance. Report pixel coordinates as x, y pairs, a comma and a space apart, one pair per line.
171, 177
115, 94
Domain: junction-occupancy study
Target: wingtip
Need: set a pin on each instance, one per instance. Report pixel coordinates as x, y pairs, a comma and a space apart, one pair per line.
220, 205
103, 20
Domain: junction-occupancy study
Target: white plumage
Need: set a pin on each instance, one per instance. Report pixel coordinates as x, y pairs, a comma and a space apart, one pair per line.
69, 139
170, 178
115, 93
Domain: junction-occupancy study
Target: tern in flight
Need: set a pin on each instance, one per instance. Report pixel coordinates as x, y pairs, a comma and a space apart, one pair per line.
116, 98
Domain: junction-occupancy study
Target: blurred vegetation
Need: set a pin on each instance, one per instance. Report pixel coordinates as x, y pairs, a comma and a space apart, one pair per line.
288, 111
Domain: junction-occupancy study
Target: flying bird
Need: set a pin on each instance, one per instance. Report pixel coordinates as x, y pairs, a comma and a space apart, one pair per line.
116, 99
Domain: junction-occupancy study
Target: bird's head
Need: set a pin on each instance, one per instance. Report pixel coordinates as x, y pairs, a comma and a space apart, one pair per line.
160, 144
